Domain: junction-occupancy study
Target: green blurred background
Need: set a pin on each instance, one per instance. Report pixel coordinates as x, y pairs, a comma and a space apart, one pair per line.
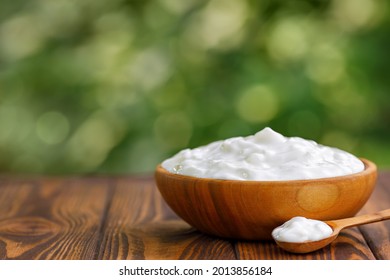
96, 86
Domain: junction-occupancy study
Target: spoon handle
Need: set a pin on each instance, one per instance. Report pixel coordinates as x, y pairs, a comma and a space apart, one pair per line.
363, 219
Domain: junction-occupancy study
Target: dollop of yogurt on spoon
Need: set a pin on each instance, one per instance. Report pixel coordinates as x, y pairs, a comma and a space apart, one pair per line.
301, 229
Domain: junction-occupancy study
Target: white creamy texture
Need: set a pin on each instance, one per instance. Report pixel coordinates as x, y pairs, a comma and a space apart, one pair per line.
300, 229
265, 156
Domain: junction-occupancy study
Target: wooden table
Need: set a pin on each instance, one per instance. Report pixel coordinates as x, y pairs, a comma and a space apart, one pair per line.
126, 218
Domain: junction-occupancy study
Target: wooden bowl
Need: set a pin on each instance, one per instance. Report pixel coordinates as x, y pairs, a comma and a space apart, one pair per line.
252, 209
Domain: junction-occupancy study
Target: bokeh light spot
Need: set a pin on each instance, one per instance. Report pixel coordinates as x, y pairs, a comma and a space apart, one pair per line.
258, 104
356, 14
16, 123
218, 25
150, 68
94, 139
287, 40
178, 6
326, 65
21, 36
52, 127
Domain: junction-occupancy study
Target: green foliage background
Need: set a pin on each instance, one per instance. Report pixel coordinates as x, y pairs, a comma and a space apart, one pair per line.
117, 86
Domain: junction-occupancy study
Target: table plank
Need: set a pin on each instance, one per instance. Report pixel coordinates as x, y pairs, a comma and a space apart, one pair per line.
140, 225
126, 218
51, 218
378, 234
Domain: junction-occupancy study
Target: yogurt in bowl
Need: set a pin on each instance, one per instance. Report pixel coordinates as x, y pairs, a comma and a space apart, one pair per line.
264, 156
245, 187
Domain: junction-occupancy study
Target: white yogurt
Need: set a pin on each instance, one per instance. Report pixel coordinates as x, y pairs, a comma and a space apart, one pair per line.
265, 156
300, 229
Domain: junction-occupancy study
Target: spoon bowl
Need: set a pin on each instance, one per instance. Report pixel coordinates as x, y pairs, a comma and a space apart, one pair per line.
337, 226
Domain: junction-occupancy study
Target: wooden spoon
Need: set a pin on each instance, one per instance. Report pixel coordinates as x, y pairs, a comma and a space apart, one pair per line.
337, 226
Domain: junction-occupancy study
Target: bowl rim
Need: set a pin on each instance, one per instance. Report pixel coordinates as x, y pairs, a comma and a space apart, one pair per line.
369, 168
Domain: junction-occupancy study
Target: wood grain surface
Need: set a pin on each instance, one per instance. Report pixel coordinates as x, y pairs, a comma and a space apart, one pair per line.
126, 218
